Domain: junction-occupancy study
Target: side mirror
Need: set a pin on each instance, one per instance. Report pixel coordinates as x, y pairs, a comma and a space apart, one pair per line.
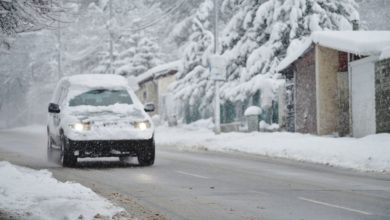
149, 107
54, 108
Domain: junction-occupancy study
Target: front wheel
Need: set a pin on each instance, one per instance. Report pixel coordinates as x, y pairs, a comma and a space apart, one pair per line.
147, 154
67, 158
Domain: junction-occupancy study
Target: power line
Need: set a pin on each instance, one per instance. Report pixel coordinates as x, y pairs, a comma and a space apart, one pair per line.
168, 13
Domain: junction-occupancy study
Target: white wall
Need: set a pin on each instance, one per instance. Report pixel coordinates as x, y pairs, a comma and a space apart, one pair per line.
363, 97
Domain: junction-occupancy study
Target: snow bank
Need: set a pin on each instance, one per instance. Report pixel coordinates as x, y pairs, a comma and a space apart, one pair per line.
32, 194
371, 153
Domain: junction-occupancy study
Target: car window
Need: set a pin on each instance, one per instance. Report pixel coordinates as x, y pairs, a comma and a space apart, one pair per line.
102, 97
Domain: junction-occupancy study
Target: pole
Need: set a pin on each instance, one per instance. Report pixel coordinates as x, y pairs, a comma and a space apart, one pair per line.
111, 69
59, 49
217, 98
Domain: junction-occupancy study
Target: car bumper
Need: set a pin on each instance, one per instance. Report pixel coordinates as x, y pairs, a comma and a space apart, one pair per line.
103, 134
107, 148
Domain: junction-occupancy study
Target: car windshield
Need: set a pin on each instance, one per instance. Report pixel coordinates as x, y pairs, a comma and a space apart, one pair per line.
102, 97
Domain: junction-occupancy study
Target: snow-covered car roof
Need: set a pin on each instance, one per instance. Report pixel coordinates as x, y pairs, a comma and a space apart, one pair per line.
97, 81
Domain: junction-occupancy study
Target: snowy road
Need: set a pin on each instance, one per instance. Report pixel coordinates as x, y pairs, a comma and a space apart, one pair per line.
205, 185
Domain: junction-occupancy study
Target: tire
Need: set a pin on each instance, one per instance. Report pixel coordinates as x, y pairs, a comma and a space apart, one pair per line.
67, 158
147, 154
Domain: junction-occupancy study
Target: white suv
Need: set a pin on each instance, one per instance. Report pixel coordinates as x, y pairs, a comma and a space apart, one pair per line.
96, 115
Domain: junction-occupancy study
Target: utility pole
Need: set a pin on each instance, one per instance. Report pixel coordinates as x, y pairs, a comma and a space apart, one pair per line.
111, 69
59, 48
217, 82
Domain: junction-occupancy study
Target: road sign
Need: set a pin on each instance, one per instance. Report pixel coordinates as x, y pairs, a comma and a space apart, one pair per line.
217, 65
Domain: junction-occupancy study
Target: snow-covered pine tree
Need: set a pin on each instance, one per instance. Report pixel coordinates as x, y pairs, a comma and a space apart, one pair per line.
192, 86
134, 50
261, 34
257, 39
147, 55
134, 54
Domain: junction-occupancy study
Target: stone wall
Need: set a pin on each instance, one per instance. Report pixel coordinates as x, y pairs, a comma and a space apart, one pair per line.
382, 96
305, 94
343, 95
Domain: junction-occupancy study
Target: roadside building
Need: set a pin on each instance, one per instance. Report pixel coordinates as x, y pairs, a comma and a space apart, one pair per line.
338, 82
153, 87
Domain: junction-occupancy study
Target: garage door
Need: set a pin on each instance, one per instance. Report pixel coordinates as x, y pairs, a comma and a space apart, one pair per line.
363, 97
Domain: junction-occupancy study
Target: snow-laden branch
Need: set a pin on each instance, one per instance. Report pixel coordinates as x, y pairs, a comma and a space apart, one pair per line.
18, 16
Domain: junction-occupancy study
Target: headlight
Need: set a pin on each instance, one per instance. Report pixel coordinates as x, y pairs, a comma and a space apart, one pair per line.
80, 126
143, 125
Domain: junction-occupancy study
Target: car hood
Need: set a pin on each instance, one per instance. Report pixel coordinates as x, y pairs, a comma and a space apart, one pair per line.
108, 114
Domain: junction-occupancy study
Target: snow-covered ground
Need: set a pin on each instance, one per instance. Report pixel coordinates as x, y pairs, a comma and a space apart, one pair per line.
32, 194
371, 153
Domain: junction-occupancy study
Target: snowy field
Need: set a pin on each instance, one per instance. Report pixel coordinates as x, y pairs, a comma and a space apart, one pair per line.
32, 194
371, 153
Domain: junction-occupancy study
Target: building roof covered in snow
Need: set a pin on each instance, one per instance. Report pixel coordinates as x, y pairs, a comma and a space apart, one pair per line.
159, 71
365, 43
357, 42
